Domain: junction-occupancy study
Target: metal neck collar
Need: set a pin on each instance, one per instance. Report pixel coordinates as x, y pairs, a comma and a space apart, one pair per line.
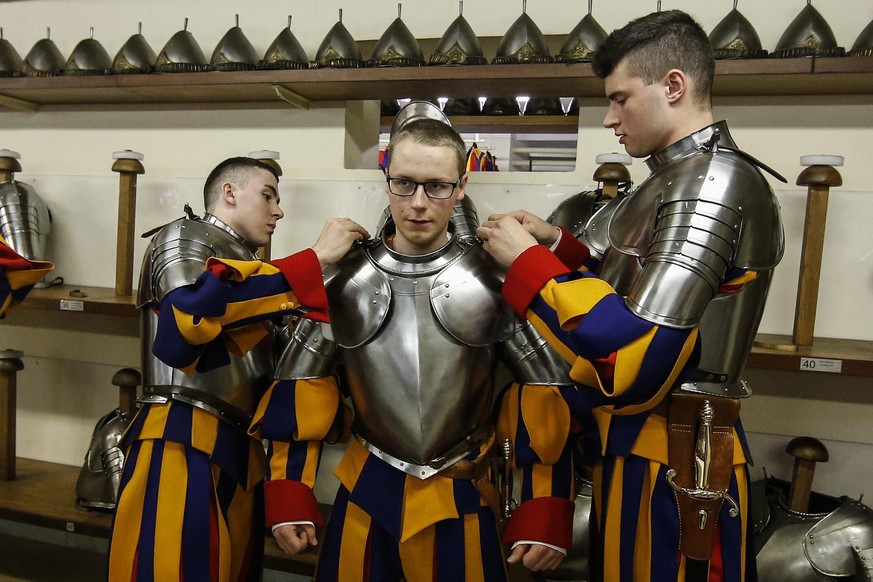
218, 223
398, 263
707, 139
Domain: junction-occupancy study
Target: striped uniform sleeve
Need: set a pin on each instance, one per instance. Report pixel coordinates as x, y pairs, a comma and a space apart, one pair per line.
225, 310
535, 419
297, 417
631, 362
17, 276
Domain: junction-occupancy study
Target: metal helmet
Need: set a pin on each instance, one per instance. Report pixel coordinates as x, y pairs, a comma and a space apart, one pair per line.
181, 54
10, 60
285, 52
134, 56
523, 43
413, 111
807, 35
735, 38
234, 52
582, 40
339, 49
544, 106
459, 45
863, 44
44, 59
500, 106
25, 220
461, 106
397, 47
100, 476
88, 58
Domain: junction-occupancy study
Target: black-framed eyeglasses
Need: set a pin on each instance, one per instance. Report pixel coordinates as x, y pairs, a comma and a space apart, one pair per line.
435, 190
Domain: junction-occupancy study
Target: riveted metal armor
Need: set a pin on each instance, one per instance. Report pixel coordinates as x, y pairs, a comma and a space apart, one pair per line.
420, 338
832, 542
100, 476
522, 43
582, 41
176, 257
397, 47
704, 211
25, 220
285, 52
339, 48
10, 60
44, 59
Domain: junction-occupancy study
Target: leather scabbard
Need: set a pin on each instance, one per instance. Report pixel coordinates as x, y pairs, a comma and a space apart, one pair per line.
699, 517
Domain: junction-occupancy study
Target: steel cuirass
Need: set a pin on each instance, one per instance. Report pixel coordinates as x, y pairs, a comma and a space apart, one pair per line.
25, 220
176, 256
420, 338
704, 212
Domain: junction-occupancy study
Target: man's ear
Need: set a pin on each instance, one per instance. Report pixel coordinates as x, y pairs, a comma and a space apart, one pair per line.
462, 187
676, 84
227, 194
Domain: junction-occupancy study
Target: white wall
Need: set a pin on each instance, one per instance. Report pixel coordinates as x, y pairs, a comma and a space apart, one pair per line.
66, 155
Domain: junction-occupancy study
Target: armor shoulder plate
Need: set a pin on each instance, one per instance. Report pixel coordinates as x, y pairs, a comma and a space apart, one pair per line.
575, 211
177, 253
829, 542
466, 299
358, 296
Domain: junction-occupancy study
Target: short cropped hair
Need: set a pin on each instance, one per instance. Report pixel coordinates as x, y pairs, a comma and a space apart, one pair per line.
652, 45
237, 170
433, 132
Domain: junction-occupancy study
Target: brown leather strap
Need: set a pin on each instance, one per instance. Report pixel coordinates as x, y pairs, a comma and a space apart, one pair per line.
477, 471
699, 517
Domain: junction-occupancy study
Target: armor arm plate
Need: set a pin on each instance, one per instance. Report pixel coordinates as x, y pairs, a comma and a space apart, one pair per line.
308, 354
531, 360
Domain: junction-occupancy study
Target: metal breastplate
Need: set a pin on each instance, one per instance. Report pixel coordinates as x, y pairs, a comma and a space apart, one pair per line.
176, 256
418, 385
702, 212
25, 221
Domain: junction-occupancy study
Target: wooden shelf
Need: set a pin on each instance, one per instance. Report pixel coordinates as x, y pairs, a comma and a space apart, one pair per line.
44, 494
749, 77
774, 352
81, 300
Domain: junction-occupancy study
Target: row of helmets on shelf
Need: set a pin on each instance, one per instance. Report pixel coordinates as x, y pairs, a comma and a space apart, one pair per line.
734, 37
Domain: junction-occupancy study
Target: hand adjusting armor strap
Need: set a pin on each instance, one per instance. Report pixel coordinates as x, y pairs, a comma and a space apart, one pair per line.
701, 452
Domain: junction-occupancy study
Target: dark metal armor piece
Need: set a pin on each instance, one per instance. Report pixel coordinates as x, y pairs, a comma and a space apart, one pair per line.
182, 54
10, 60
582, 41
396, 47
234, 52
338, 49
88, 58
285, 52
809, 34
458, 45
828, 543
863, 44
134, 56
44, 59
523, 43
734, 37
575, 212
704, 211
100, 476
176, 257
25, 220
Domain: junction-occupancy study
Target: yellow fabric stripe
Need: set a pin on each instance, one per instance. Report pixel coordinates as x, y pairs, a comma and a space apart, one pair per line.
27, 277
239, 528
240, 310
541, 480
310, 466
565, 352
507, 421
547, 417
316, 402
254, 429
612, 553
425, 502
196, 331
155, 422
652, 441
583, 372
628, 361
279, 460
746, 277
643, 545
353, 544
417, 556
128, 519
223, 535
473, 568
576, 298
243, 269
170, 512
742, 483
350, 466
241, 340
204, 430
687, 348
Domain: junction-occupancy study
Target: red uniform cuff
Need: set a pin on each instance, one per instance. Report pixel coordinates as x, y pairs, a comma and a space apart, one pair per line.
288, 500
571, 252
528, 274
303, 272
548, 520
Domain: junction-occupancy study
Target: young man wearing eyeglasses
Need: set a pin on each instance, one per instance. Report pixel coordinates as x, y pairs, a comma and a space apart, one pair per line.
418, 322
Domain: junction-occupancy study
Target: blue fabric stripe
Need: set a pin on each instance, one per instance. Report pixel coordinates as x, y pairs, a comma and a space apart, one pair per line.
449, 558
632, 485
606, 328
280, 417
493, 562
328, 558
665, 531
385, 502
206, 297
196, 530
